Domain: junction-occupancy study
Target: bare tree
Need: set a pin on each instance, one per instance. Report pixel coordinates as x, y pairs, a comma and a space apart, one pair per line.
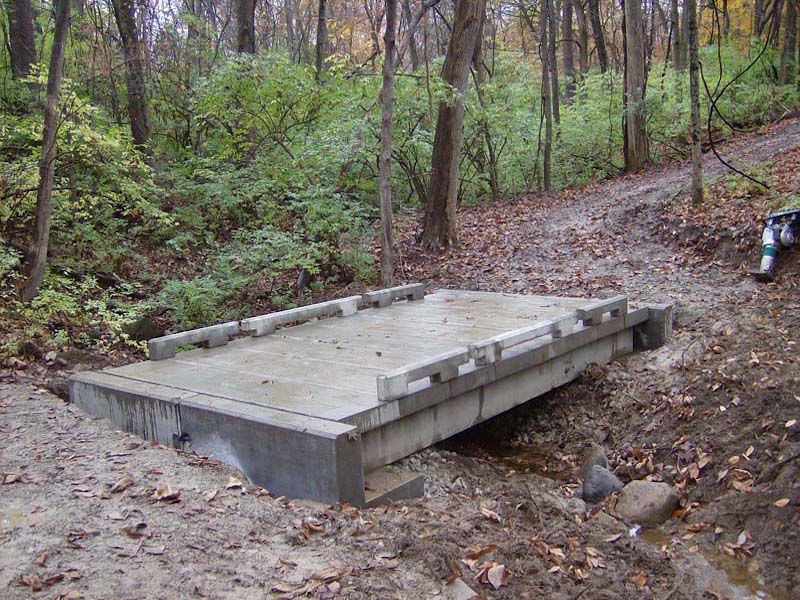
694, 92
597, 32
440, 214
246, 26
23, 42
385, 165
37, 255
124, 13
635, 122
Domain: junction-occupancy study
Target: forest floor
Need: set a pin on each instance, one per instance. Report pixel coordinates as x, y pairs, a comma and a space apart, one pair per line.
87, 511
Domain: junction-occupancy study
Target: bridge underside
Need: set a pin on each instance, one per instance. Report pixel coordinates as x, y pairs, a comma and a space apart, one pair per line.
316, 410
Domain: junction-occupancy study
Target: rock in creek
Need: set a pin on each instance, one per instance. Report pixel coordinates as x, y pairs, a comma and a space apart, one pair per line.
594, 454
648, 503
599, 483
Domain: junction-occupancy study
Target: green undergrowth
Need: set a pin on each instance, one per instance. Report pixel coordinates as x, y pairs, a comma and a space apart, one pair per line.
259, 173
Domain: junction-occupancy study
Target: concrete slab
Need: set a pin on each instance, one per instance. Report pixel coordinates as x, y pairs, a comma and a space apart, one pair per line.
310, 408
387, 485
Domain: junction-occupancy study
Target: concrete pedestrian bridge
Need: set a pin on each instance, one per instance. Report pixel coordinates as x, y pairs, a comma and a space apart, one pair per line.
315, 401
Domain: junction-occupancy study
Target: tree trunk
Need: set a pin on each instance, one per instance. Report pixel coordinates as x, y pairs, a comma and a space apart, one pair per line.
597, 33
322, 38
246, 26
758, 17
440, 214
37, 256
552, 30
134, 71
726, 19
412, 44
544, 53
288, 13
788, 53
637, 151
583, 36
485, 158
674, 16
683, 48
568, 55
775, 27
694, 92
23, 42
385, 166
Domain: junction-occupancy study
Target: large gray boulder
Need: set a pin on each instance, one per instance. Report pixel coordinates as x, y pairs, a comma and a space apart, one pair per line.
599, 483
648, 503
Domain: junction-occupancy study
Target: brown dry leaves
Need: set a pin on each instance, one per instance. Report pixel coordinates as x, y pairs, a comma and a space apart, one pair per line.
324, 584
165, 493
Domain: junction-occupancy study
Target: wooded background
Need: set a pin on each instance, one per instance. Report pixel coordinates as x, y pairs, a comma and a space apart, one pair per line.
193, 157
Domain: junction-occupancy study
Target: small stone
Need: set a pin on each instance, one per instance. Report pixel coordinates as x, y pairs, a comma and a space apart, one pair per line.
599, 483
648, 503
29, 349
143, 329
594, 454
458, 590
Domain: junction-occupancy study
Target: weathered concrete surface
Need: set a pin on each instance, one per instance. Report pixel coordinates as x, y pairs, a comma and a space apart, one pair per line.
386, 485
301, 411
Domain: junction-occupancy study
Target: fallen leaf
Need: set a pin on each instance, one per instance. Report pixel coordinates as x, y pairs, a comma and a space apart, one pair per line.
790, 423
579, 574
497, 576
136, 530
233, 483
639, 578
42, 558
781, 503
166, 494
122, 484
211, 495
743, 538
490, 514
478, 552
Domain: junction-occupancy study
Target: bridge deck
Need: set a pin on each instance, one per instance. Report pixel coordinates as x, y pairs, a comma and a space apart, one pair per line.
302, 404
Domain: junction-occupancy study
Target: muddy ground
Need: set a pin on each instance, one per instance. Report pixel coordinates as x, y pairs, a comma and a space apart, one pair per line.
90, 512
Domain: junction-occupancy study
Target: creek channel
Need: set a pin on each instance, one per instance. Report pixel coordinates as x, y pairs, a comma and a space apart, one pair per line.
709, 568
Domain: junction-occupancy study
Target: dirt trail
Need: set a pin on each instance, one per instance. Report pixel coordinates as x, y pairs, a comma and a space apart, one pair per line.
80, 514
